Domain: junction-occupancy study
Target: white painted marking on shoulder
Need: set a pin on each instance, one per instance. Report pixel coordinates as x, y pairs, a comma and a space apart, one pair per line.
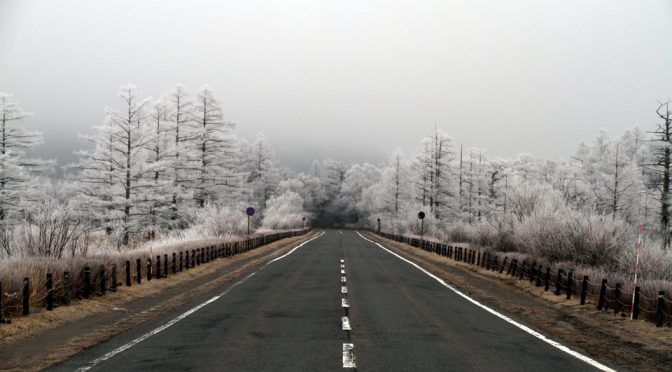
149, 334
342, 260
343, 272
344, 289
342, 266
349, 356
523, 327
345, 302
343, 279
346, 323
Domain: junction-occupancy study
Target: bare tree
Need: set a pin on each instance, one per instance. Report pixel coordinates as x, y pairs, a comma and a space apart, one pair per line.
661, 166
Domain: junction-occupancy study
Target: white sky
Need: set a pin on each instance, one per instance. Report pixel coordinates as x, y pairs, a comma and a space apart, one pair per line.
350, 79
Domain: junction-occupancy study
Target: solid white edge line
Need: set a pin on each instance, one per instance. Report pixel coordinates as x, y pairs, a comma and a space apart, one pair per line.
149, 334
349, 360
346, 323
523, 327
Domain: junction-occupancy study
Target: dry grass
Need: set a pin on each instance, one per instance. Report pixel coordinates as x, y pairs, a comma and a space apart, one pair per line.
14, 270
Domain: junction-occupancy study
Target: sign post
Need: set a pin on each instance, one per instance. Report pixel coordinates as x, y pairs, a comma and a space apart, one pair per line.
378, 226
634, 285
421, 216
250, 212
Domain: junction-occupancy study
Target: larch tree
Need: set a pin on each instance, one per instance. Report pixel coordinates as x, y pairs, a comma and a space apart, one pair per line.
17, 172
180, 117
262, 177
396, 179
114, 175
216, 153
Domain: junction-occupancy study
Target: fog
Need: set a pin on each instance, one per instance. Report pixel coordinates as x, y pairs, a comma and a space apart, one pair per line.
349, 79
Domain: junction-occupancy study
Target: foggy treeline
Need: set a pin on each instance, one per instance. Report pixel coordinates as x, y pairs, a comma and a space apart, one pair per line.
161, 167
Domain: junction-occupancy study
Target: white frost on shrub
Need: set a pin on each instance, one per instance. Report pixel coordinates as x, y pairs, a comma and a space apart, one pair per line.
284, 211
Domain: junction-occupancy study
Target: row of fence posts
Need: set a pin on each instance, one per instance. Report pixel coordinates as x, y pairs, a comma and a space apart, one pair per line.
536, 274
159, 270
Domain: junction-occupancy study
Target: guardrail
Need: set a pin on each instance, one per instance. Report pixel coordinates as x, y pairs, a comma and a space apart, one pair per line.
98, 275
567, 283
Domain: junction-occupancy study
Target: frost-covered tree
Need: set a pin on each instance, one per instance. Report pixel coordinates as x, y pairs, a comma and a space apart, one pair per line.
434, 175
160, 158
262, 175
216, 153
113, 177
180, 117
17, 173
396, 181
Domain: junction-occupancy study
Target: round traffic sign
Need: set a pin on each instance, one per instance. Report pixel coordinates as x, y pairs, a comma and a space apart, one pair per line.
421, 215
250, 211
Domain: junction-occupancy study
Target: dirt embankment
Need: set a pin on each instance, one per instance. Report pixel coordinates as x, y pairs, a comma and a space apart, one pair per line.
42, 339
636, 345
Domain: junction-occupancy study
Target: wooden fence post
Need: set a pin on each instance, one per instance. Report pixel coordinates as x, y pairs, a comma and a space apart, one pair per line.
103, 286
558, 282
50, 292
66, 287
522, 270
128, 273
158, 267
165, 266
87, 281
174, 263
501, 269
603, 295
570, 284
617, 298
547, 279
113, 288
26, 296
584, 289
138, 269
540, 270
149, 268
660, 308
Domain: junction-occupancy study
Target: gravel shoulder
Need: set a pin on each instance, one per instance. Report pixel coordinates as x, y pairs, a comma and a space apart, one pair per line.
635, 345
42, 339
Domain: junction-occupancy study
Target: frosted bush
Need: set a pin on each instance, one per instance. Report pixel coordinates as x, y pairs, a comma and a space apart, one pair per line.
283, 212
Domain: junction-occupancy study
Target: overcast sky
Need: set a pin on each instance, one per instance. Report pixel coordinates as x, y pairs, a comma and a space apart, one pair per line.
350, 79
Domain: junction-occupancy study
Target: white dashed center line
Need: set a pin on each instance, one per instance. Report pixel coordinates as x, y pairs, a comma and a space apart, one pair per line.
349, 356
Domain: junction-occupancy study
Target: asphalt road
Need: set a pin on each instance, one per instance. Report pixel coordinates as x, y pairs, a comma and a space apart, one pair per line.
288, 316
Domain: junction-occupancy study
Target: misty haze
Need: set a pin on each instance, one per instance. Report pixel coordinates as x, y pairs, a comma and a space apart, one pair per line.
179, 181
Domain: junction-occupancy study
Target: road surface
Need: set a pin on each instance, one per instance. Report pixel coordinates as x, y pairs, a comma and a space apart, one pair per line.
290, 315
